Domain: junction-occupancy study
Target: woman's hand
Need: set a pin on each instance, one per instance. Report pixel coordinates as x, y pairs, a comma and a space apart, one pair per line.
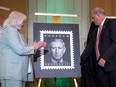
39, 44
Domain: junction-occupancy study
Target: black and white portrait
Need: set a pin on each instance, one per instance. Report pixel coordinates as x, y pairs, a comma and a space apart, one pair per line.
57, 50
59, 55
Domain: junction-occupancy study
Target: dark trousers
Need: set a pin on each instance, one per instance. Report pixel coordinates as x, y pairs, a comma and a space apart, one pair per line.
89, 73
89, 79
108, 79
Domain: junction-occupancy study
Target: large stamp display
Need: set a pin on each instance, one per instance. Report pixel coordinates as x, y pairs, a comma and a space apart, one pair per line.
61, 56
48, 36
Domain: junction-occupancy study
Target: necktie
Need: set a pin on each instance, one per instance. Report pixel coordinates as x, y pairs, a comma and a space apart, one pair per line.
97, 42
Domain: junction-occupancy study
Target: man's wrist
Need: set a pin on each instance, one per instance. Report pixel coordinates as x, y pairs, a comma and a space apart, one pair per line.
99, 59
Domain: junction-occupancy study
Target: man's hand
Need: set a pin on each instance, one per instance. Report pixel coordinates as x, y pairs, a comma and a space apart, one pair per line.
101, 62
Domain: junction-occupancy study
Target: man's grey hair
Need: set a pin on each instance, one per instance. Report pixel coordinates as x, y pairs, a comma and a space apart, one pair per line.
98, 11
57, 40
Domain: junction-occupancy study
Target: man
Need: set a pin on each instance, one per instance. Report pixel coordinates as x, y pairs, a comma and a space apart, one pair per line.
57, 49
103, 44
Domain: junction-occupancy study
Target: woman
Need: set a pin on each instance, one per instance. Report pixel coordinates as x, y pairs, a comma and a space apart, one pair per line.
15, 64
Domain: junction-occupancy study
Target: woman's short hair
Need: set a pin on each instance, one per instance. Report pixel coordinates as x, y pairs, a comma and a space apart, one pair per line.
15, 19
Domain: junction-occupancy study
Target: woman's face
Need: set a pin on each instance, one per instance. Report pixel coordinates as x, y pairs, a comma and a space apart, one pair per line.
21, 25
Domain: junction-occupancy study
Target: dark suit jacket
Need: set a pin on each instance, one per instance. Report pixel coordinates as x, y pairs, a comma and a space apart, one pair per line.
90, 33
107, 45
89, 66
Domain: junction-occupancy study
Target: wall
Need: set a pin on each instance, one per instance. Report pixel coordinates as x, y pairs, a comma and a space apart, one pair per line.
108, 5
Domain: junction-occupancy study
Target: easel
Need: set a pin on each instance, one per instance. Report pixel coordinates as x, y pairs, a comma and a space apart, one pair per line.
56, 19
55, 80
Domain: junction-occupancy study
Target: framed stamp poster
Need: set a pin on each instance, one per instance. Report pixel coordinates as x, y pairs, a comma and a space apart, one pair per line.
61, 56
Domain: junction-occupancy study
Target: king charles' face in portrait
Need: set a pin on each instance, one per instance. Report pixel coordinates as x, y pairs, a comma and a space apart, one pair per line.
57, 49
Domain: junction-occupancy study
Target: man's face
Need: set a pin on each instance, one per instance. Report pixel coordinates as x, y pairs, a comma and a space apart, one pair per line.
96, 18
57, 49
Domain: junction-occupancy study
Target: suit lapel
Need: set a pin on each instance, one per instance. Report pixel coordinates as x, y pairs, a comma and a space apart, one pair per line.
103, 29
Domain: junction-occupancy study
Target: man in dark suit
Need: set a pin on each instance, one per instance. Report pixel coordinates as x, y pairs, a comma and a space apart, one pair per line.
88, 68
104, 48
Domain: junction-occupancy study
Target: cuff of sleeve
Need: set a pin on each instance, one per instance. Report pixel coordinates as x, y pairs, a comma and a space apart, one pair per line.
35, 50
99, 59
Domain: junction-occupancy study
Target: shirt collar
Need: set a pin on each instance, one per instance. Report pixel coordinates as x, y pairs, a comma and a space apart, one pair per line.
103, 21
54, 61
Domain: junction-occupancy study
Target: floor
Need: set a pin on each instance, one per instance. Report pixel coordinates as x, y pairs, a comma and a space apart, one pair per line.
54, 82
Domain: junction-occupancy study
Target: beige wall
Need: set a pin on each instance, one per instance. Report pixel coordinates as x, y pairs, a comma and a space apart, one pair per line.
114, 7
108, 5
